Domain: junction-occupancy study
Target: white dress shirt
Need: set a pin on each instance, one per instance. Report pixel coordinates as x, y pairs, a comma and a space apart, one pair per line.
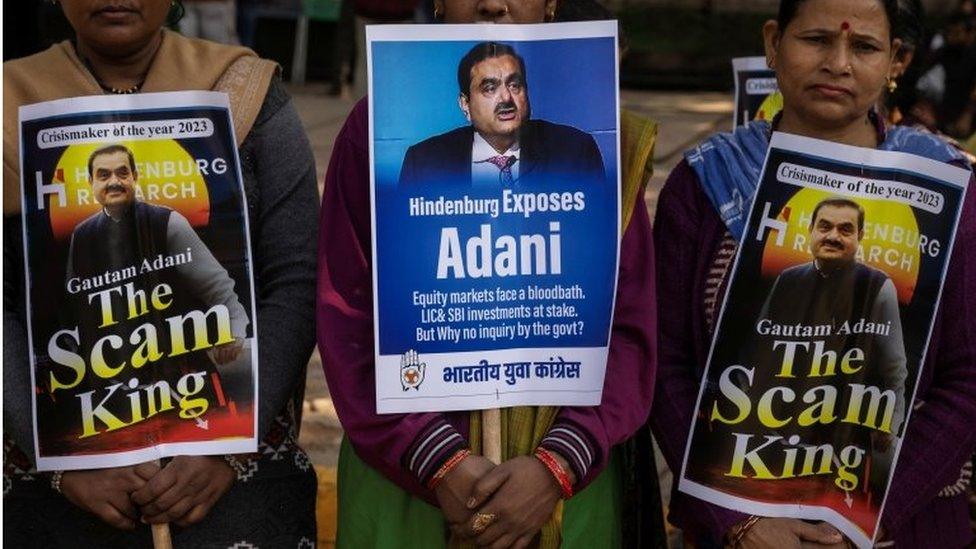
485, 173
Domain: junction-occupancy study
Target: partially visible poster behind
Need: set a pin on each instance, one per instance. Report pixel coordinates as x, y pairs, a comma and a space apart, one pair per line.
823, 333
495, 190
757, 95
141, 314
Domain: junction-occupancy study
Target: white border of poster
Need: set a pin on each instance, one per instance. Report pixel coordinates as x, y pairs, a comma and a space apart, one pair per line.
576, 379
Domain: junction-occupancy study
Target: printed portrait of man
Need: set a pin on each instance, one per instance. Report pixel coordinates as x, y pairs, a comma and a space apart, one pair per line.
503, 145
115, 245
847, 305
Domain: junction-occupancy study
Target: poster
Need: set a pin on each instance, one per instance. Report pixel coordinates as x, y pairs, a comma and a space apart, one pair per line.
140, 309
757, 94
823, 332
495, 196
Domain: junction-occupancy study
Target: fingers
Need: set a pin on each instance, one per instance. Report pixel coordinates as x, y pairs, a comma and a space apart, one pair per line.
124, 479
195, 515
504, 542
232, 351
487, 485
524, 541
123, 504
113, 517
163, 502
170, 514
235, 352
220, 355
199, 483
159, 484
146, 471
224, 354
228, 352
493, 533
463, 530
820, 532
162, 492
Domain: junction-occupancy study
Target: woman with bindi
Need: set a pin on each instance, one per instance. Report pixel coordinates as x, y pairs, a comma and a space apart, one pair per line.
833, 60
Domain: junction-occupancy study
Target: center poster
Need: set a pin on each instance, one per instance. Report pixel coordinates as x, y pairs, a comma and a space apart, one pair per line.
495, 194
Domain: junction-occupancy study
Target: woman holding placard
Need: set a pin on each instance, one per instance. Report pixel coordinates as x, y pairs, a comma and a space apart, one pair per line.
393, 467
833, 59
266, 499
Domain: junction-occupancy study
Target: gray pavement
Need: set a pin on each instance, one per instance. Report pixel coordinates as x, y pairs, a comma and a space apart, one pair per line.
684, 118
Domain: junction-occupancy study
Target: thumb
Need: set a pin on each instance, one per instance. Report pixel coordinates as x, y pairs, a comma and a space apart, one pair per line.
820, 532
486, 486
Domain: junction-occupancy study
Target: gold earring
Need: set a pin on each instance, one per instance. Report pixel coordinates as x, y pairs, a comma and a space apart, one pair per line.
892, 85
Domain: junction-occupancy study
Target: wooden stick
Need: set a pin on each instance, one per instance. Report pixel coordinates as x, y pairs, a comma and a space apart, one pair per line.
161, 536
160, 532
491, 434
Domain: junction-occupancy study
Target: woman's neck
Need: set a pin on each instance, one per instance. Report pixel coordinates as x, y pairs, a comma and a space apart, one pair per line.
859, 133
121, 71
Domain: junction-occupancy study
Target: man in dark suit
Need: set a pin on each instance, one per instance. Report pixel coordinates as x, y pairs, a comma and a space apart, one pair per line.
502, 146
126, 236
852, 309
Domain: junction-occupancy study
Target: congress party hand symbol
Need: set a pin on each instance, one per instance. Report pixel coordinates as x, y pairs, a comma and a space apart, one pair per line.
411, 370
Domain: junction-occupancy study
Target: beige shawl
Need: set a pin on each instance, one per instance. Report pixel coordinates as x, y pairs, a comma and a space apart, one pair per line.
180, 64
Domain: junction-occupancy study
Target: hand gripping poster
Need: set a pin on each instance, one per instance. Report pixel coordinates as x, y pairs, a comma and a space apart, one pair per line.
823, 332
757, 95
141, 315
495, 195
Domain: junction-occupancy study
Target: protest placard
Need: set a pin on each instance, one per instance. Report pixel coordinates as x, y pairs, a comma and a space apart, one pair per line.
821, 338
757, 94
140, 304
495, 196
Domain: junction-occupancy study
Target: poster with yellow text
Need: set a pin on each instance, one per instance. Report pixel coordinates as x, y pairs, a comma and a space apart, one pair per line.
823, 333
140, 302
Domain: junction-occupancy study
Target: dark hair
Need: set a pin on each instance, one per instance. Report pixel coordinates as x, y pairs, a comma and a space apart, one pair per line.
589, 10
110, 149
176, 12
788, 9
961, 18
479, 53
840, 202
910, 26
582, 10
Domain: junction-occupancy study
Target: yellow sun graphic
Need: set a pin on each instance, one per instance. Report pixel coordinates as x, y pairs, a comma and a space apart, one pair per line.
168, 176
891, 239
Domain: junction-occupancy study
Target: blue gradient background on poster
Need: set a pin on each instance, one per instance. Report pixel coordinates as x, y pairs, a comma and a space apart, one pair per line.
415, 89
570, 81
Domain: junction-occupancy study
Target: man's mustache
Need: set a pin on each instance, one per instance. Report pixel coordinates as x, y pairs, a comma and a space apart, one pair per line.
505, 106
833, 243
113, 187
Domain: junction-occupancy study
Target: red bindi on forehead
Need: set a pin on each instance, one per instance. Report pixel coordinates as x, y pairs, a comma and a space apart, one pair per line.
845, 26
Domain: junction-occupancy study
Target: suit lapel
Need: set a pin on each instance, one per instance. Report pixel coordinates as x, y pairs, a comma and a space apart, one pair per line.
460, 157
529, 151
